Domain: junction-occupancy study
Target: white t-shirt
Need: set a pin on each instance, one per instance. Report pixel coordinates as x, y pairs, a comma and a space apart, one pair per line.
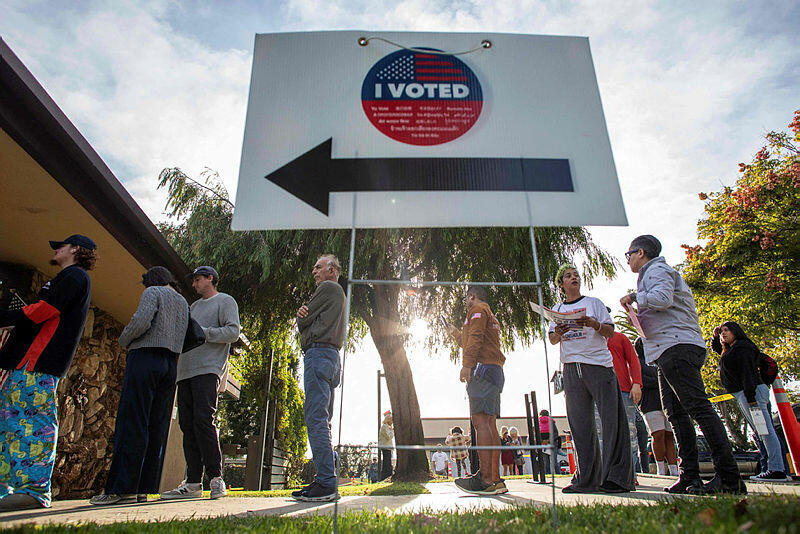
585, 345
439, 459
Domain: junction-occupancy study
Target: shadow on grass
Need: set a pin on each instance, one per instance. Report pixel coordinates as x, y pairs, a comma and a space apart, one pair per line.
401, 488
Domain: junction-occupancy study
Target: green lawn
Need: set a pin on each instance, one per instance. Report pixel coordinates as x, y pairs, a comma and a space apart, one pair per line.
380, 488
768, 514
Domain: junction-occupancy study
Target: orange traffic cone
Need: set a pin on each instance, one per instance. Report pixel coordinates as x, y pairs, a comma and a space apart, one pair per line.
791, 428
570, 455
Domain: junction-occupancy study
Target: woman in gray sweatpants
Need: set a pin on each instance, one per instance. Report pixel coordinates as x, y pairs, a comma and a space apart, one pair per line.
589, 379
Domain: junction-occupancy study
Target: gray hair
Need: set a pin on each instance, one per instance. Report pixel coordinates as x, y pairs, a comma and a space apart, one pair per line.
333, 261
649, 245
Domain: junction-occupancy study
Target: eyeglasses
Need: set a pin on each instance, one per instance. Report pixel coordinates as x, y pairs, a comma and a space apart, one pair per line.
631, 253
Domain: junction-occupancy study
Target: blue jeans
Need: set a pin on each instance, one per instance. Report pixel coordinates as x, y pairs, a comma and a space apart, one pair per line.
321, 374
771, 443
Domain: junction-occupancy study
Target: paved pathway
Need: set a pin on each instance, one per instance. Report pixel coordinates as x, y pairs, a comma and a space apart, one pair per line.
444, 497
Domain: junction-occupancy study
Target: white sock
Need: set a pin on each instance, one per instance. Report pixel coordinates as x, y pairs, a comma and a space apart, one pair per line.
673, 470
661, 467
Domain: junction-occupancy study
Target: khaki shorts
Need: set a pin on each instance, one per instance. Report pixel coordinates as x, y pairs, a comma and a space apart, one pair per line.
657, 420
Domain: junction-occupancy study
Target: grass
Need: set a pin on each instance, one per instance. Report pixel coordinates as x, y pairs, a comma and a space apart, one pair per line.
778, 514
380, 488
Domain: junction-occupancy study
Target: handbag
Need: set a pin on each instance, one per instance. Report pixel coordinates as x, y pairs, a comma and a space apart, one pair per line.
194, 335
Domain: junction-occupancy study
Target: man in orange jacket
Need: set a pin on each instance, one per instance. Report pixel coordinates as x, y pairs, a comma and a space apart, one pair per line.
482, 370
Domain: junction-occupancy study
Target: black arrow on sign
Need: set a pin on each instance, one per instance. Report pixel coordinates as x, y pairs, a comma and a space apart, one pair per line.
312, 176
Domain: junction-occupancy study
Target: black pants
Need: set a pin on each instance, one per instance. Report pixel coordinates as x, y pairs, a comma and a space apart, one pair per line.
683, 394
140, 436
386, 463
197, 404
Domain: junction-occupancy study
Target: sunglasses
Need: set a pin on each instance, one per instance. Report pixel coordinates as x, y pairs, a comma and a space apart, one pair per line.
631, 253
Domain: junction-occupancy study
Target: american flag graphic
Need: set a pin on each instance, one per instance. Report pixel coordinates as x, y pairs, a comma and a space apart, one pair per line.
422, 68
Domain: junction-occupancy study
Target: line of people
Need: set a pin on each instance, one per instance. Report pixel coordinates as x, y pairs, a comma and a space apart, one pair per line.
40, 350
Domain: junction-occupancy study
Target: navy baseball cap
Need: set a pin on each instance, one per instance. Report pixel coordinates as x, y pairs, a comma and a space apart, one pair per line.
75, 239
205, 270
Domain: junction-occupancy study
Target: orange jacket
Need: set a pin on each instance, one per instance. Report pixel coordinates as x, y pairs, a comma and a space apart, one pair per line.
480, 337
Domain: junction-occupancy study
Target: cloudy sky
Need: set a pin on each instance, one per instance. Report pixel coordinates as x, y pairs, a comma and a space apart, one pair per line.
688, 89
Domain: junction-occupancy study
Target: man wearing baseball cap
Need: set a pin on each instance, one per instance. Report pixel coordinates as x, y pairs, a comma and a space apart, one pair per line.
199, 374
38, 353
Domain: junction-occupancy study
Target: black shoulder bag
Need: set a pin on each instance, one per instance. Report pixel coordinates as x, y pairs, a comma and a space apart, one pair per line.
194, 335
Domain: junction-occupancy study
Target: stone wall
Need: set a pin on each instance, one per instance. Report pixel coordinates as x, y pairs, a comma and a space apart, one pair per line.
87, 404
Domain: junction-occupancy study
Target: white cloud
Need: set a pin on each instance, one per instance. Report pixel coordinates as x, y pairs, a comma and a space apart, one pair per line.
144, 96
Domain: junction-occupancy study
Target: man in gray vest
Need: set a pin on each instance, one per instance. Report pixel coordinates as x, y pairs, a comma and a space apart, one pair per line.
322, 325
675, 344
199, 373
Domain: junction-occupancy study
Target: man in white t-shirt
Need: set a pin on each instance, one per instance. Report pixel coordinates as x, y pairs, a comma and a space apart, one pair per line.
589, 379
439, 461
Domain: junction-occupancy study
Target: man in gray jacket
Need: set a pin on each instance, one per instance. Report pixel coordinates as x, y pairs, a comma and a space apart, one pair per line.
199, 373
322, 326
675, 344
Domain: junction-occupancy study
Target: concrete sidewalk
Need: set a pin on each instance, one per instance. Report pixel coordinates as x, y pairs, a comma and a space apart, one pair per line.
444, 497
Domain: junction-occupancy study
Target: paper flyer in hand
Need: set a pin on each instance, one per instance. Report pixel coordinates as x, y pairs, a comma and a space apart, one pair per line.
558, 317
635, 320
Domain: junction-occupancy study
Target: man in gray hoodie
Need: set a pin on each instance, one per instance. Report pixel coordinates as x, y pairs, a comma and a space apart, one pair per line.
199, 373
675, 344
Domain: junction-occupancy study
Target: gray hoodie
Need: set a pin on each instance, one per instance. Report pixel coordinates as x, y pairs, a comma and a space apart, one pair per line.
666, 309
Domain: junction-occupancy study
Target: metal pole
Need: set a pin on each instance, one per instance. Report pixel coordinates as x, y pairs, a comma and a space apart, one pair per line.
344, 352
264, 419
379, 403
546, 360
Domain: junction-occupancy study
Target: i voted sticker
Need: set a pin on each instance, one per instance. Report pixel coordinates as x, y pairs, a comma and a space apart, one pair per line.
421, 98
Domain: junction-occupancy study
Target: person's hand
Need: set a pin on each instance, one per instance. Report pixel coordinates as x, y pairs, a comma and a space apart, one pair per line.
754, 405
636, 393
453, 331
717, 330
561, 329
626, 300
591, 322
302, 312
465, 375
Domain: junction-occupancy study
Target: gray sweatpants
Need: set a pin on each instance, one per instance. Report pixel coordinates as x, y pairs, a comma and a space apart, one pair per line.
584, 386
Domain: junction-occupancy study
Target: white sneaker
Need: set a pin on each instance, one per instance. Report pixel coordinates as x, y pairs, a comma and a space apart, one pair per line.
218, 488
184, 491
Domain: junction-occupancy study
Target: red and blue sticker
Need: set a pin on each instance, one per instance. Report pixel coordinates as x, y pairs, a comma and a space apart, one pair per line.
422, 98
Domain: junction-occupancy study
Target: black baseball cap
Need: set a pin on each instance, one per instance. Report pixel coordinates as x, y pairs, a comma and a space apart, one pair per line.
76, 239
205, 270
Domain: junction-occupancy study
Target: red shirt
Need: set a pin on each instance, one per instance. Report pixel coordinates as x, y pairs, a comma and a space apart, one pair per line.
626, 362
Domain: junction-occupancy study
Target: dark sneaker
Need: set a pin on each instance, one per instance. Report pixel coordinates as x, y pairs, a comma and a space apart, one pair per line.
473, 485
685, 486
19, 501
572, 488
771, 476
316, 492
612, 487
105, 499
715, 486
302, 491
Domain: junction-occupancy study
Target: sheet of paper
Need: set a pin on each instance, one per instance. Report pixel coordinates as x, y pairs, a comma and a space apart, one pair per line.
558, 317
635, 320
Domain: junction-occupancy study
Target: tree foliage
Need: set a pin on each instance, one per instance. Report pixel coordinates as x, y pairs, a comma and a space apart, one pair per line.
746, 269
271, 273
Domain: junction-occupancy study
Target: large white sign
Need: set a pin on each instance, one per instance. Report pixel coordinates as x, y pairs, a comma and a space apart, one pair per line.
419, 134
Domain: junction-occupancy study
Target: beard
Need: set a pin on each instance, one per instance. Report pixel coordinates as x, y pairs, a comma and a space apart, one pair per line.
53, 262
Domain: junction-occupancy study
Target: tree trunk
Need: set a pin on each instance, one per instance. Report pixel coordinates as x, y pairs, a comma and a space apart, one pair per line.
384, 327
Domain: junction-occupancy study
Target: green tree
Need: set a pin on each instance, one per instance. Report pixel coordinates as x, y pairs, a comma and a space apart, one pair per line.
272, 270
746, 268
